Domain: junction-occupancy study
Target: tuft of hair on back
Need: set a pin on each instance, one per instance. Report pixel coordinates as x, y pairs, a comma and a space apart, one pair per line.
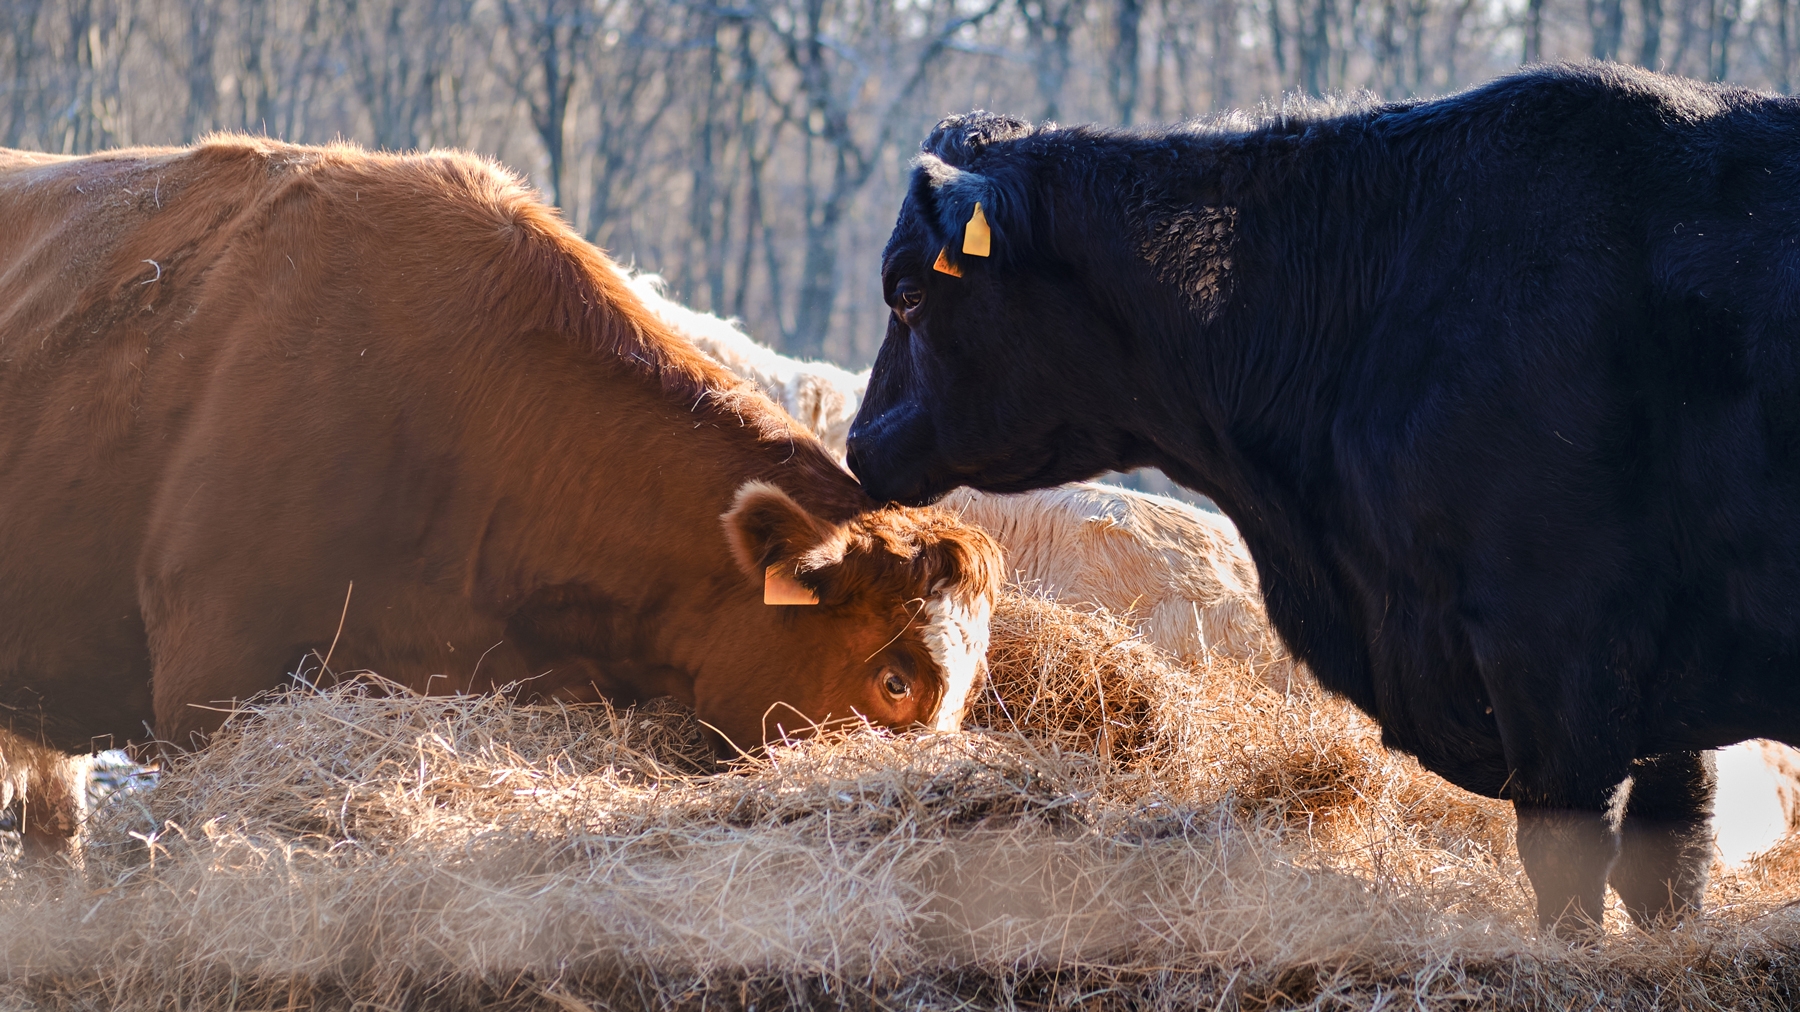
961, 139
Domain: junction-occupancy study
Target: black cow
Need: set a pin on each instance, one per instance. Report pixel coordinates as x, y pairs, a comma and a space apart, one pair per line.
1502, 389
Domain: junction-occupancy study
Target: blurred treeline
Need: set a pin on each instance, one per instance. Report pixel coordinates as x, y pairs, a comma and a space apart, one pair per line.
753, 150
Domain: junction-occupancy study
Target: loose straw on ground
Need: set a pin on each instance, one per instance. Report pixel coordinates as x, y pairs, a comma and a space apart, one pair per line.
1113, 831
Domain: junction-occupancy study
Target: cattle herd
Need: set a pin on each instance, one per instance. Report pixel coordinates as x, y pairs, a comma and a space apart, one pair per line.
1501, 390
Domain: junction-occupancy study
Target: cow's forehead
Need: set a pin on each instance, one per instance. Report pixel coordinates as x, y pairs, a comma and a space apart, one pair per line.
909, 233
956, 635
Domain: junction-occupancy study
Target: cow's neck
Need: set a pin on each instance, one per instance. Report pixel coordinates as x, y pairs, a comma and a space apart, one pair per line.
632, 582
1256, 376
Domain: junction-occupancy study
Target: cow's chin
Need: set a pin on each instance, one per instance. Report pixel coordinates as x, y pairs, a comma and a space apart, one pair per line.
911, 479
916, 481
923, 479
899, 457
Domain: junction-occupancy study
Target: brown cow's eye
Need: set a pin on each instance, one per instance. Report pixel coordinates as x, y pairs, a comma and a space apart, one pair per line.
895, 684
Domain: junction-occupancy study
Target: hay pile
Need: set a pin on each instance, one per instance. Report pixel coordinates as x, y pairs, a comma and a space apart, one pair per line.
1124, 834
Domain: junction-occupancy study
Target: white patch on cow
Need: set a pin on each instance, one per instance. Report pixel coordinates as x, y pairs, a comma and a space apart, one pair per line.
958, 640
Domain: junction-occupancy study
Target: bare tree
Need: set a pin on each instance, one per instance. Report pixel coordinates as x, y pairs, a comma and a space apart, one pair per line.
833, 48
546, 42
202, 85
19, 23
1606, 28
753, 151
1223, 23
1122, 69
395, 50
1723, 23
1784, 28
99, 31
631, 94
1651, 12
1049, 32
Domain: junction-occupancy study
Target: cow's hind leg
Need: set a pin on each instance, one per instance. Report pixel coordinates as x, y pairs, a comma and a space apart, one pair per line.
1666, 837
55, 809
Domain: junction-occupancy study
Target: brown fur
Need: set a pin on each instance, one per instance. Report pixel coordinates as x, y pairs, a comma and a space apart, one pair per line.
242, 377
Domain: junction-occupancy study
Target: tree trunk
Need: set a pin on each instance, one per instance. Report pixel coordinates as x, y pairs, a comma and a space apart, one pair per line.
1725, 16
1784, 41
1047, 33
1123, 69
818, 280
202, 87
21, 29
1652, 11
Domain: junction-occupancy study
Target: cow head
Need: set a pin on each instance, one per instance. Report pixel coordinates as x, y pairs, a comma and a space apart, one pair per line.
885, 619
984, 376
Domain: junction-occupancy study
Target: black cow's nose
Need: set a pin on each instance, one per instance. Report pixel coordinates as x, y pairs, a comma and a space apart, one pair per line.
852, 457
863, 462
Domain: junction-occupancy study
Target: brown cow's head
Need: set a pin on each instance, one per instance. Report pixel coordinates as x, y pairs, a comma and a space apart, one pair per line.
899, 634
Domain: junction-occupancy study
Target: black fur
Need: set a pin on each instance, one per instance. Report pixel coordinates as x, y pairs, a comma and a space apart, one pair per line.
1503, 391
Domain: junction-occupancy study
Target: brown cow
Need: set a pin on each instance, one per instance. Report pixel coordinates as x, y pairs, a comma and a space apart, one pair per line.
260, 400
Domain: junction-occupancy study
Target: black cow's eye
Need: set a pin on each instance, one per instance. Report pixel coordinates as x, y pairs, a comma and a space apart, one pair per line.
895, 684
908, 297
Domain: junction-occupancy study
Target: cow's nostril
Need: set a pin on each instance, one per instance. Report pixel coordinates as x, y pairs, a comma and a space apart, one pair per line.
853, 459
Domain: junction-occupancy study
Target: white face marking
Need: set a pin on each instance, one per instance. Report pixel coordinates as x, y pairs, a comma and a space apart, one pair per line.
958, 640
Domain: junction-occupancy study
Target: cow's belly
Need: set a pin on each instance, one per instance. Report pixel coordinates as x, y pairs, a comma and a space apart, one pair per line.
1468, 758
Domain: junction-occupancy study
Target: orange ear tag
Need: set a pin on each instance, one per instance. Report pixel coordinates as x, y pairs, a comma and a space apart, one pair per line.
978, 239
944, 266
781, 588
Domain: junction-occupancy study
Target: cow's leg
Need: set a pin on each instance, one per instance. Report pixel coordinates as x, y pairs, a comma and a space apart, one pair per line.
54, 809
1563, 787
1567, 853
1666, 837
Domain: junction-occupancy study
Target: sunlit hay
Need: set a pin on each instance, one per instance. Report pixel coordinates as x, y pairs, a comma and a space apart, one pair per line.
1300, 761
1198, 841
1073, 678
357, 839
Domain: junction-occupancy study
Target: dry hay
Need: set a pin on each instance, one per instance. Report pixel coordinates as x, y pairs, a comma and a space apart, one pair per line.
1125, 834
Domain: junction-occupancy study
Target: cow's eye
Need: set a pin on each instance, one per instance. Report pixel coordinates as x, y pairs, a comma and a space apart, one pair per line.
908, 297
895, 684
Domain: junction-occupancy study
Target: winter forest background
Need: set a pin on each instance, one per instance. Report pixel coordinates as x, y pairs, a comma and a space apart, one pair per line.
752, 151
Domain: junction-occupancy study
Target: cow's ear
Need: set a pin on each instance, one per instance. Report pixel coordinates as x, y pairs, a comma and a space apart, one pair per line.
769, 534
963, 210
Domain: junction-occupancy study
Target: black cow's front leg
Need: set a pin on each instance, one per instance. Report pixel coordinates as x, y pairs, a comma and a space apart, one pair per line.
1563, 789
1567, 852
1666, 837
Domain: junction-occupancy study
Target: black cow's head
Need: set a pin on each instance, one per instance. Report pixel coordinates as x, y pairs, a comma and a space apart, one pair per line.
987, 376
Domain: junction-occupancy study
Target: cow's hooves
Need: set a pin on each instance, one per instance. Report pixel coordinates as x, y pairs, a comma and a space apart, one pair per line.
1574, 924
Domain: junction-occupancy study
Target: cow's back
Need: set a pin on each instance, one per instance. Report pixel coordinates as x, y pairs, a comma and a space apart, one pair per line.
222, 365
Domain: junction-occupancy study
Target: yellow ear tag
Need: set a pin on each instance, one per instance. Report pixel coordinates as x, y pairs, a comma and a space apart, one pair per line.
781, 588
944, 266
978, 239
